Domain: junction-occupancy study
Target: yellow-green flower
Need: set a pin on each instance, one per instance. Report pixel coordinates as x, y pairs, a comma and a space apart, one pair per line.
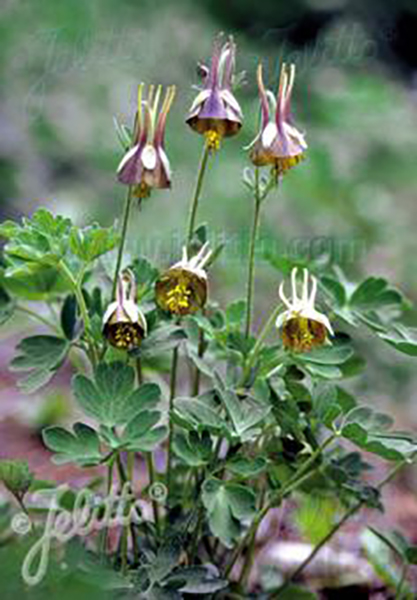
124, 324
302, 327
182, 289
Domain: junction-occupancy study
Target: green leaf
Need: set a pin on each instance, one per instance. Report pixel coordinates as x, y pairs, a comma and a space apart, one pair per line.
330, 403
142, 433
192, 448
247, 467
69, 317
199, 414
235, 314
201, 363
81, 447
124, 135
371, 431
111, 398
335, 290
199, 580
227, 504
41, 356
403, 339
166, 337
327, 355
146, 275
91, 242
379, 555
7, 306
394, 540
374, 293
245, 415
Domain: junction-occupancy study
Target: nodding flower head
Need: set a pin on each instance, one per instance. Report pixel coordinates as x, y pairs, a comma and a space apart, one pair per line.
182, 289
146, 165
279, 143
215, 111
302, 326
124, 325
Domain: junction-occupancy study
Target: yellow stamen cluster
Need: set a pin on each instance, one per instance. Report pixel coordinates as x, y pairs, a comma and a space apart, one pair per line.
283, 165
125, 336
178, 298
213, 139
142, 190
301, 334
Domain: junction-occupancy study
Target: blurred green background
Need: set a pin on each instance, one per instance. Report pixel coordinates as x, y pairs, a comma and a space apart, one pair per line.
68, 67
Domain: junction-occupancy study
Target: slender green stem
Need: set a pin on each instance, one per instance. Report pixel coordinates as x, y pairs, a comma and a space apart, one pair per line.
299, 478
197, 193
348, 514
39, 318
77, 289
259, 342
125, 529
151, 479
109, 485
403, 578
172, 392
139, 372
251, 258
250, 554
76, 285
200, 353
128, 204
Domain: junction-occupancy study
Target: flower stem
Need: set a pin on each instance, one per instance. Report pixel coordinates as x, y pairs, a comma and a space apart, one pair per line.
259, 341
251, 259
76, 285
349, 513
200, 353
172, 391
403, 578
128, 204
151, 480
197, 193
109, 485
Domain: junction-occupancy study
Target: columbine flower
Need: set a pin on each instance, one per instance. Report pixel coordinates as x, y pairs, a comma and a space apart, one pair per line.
124, 325
215, 112
182, 289
279, 143
146, 165
302, 326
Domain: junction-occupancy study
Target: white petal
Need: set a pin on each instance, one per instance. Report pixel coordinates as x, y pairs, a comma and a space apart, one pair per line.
305, 287
282, 296
148, 157
282, 318
315, 315
109, 311
165, 163
200, 99
231, 101
127, 157
313, 294
269, 134
294, 285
